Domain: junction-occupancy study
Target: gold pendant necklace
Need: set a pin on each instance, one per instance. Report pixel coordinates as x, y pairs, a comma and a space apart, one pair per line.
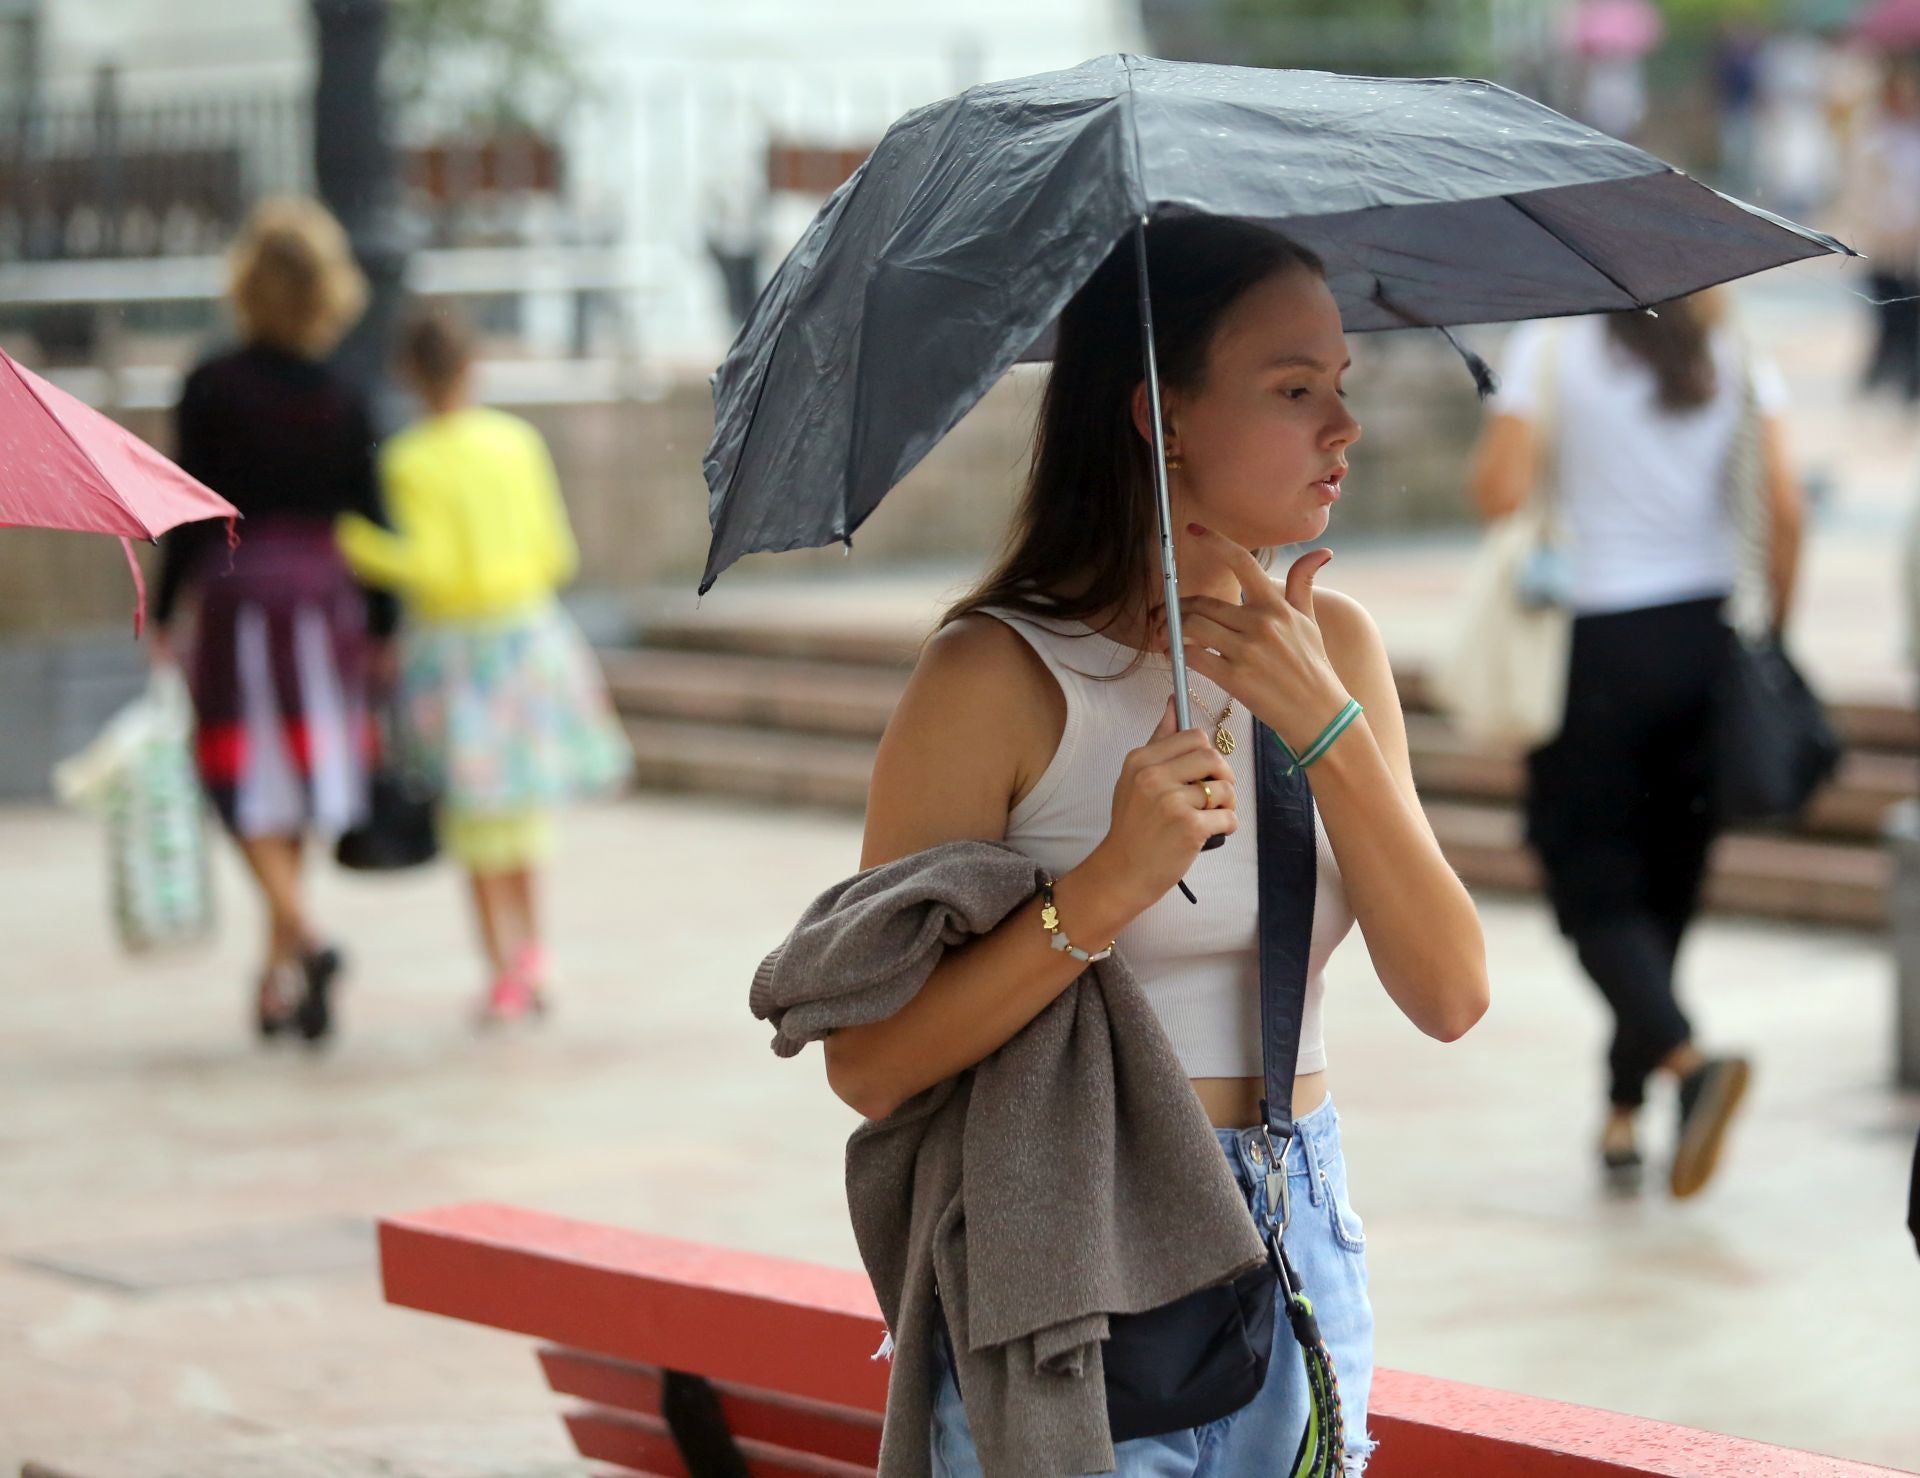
1222, 740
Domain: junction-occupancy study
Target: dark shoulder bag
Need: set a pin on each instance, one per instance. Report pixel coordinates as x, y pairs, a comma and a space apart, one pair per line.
1205, 1356
398, 830
1772, 744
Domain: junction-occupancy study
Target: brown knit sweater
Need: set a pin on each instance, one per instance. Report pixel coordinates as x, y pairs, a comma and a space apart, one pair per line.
1069, 1176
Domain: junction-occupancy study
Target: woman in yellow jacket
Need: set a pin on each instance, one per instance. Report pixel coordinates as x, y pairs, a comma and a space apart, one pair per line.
501, 700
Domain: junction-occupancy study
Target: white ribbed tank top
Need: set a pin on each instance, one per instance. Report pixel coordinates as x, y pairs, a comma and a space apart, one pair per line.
1199, 963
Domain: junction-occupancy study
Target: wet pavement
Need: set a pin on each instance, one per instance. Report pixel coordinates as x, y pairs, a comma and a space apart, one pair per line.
183, 1253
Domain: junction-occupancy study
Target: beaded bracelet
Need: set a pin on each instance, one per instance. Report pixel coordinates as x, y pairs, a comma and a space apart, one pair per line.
1342, 721
1050, 921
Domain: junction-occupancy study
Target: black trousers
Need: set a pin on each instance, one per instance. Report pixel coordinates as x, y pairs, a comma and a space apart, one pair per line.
1617, 810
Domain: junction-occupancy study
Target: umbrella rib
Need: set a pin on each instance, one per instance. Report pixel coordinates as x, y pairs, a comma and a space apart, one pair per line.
1133, 130
1516, 202
79, 446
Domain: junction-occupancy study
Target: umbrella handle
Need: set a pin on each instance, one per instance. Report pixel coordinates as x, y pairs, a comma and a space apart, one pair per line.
1163, 499
1169, 573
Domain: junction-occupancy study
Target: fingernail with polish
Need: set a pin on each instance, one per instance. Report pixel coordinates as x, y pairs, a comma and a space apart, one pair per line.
1196, 528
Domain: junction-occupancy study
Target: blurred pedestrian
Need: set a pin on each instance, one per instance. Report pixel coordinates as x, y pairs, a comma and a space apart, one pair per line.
1630, 422
500, 696
1882, 218
1736, 75
284, 637
1797, 153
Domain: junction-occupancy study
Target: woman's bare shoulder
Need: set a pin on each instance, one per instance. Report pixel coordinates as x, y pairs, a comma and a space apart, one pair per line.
978, 713
1352, 638
1345, 622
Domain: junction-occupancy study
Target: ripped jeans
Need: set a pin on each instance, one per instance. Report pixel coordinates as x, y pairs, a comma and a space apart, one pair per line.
1327, 1246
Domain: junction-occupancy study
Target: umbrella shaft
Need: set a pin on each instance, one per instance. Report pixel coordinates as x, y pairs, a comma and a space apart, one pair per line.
1169, 573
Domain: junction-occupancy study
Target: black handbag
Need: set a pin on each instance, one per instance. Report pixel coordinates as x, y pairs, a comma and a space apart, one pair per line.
1773, 746
398, 831
1205, 1356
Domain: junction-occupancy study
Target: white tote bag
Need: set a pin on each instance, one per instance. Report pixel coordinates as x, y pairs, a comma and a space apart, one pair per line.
1503, 678
138, 774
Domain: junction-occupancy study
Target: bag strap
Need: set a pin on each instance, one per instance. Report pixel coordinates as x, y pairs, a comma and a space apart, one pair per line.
1289, 865
1289, 876
1546, 431
1743, 486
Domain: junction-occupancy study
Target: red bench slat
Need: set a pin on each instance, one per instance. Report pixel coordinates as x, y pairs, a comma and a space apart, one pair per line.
1427, 1426
643, 1444
605, 1382
761, 1322
791, 1422
761, 1328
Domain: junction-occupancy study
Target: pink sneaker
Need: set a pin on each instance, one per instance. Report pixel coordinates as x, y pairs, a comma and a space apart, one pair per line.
530, 964
517, 992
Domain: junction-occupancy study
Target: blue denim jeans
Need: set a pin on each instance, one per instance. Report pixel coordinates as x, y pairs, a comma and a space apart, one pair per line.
1327, 1248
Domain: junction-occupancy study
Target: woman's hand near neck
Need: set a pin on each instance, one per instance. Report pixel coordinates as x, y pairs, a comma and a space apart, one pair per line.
1202, 572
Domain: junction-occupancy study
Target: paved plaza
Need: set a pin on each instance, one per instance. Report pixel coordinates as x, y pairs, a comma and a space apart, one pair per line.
184, 1257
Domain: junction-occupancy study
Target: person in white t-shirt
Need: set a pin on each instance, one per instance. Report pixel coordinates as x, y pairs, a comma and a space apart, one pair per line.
1628, 420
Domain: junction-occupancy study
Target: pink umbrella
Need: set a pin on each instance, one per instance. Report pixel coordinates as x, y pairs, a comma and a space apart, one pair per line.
63, 465
1890, 25
1620, 28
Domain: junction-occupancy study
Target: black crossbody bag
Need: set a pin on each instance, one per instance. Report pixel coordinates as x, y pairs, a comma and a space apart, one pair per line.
1205, 1356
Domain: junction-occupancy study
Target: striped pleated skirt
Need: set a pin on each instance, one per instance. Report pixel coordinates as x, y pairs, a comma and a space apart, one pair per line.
285, 738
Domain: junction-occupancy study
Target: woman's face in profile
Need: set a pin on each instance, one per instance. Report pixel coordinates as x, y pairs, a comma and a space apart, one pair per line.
1264, 439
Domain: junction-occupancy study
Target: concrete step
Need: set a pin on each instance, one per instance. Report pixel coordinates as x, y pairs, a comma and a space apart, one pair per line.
756, 764
1781, 877
1785, 877
853, 699
1867, 721
804, 694
1852, 808
809, 638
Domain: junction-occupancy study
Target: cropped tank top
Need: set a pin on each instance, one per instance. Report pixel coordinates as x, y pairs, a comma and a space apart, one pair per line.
1199, 963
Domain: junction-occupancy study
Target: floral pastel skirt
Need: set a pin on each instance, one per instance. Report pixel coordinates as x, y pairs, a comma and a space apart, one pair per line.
509, 714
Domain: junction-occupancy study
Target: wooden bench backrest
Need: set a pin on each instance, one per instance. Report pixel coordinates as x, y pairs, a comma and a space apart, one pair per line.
788, 1347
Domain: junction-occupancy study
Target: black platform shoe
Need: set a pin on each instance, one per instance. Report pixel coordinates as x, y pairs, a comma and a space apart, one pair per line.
273, 1005
314, 1015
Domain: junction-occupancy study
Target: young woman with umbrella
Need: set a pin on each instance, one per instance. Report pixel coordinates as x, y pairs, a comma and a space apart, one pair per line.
1042, 715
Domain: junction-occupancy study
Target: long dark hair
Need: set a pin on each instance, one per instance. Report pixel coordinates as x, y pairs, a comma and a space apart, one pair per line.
1675, 342
1087, 516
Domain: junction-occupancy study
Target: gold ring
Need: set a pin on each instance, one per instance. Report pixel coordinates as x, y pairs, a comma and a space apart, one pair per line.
1207, 791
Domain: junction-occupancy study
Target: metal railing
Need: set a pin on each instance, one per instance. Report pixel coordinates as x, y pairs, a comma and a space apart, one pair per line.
172, 178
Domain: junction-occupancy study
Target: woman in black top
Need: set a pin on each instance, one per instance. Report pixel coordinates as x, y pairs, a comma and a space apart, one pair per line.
284, 637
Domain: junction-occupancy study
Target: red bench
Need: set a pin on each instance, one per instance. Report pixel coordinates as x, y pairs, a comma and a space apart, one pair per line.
669, 1347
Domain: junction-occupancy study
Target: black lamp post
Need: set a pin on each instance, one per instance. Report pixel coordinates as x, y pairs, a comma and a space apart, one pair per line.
354, 167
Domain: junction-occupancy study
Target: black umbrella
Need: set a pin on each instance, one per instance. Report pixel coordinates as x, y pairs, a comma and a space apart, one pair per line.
947, 257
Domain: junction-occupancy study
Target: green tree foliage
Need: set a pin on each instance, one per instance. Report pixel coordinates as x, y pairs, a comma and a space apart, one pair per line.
1382, 36
485, 64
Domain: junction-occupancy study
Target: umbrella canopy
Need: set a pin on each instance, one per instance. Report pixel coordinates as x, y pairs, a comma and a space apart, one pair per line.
948, 255
63, 465
1890, 25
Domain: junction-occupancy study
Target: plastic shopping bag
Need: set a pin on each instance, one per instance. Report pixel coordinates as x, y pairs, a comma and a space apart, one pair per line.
138, 774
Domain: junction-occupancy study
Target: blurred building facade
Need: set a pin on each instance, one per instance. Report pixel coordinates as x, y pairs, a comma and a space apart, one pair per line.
626, 210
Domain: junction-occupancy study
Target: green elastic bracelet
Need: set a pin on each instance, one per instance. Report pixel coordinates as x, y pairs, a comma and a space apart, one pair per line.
1342, 721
